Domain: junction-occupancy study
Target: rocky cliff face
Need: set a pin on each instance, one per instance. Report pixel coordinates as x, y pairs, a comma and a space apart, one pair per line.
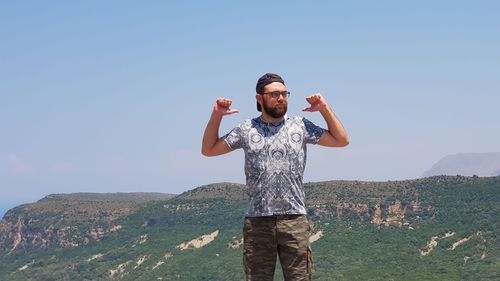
75, 220
381, 203
65, 223
405, 230
397, 213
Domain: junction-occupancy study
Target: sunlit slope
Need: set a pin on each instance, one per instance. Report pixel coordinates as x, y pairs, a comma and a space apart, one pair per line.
438, 228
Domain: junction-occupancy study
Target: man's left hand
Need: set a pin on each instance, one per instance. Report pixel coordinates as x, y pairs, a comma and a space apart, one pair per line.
317, 103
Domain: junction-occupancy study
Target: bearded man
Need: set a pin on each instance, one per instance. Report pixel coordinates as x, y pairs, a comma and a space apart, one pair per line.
275, 157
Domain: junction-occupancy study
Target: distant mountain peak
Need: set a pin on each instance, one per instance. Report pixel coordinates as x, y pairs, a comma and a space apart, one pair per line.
467, 164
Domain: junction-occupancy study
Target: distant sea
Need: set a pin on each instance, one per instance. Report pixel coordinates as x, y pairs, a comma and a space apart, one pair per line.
4, 207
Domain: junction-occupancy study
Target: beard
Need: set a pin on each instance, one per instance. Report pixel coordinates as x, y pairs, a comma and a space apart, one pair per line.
278, 111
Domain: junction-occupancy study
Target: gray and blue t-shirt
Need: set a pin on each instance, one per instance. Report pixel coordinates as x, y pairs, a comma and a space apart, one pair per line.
275, 158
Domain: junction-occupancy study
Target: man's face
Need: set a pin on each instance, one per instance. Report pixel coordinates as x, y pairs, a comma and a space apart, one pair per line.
276, 107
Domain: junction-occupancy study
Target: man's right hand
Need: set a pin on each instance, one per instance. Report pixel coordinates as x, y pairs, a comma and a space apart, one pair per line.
221, 107
212, 144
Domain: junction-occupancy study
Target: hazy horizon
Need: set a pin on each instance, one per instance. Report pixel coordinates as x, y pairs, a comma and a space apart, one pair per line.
6, 206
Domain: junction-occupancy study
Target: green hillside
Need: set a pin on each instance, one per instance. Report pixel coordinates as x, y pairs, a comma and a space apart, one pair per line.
438, 228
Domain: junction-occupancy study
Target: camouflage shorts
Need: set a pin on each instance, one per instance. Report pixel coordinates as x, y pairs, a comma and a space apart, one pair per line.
284, 236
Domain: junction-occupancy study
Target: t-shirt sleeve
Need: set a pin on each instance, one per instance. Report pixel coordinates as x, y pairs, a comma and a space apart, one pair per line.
234, 138
312, 132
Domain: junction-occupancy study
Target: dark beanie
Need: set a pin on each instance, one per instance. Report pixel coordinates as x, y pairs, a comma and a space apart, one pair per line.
265, 79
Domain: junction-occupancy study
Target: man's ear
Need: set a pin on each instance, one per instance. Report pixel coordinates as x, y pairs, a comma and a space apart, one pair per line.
258, 97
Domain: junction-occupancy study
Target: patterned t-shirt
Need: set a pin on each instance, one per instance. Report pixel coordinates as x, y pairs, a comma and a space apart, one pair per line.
275, 158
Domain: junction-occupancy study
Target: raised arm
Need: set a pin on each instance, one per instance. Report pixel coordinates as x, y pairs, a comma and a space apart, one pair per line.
336, 135
212, 144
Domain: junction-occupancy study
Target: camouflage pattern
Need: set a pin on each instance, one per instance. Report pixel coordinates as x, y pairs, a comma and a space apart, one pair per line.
285, 236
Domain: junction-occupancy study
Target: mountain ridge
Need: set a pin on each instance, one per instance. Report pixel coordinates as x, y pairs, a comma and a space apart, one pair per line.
437, 228
110, 196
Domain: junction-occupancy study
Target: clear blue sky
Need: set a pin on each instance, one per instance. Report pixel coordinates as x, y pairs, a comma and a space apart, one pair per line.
107, 96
